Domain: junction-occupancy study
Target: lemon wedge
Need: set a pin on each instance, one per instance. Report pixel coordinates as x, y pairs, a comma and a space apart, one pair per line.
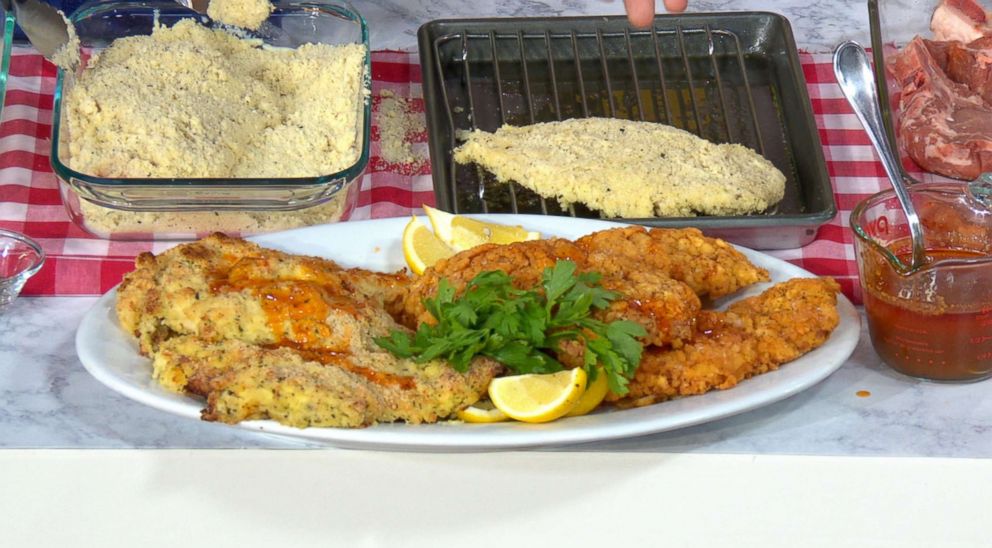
421, 248
592, 397
538, 398
461, 233
482, 412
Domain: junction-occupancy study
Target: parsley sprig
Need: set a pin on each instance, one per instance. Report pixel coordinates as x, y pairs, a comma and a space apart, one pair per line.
522, 328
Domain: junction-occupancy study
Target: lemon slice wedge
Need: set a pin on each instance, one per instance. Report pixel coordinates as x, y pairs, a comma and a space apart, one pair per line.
461, 233
593, 396
538, 398
482, 412
421, 248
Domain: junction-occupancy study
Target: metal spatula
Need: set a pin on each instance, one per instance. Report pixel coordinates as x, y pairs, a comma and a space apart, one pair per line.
41, 23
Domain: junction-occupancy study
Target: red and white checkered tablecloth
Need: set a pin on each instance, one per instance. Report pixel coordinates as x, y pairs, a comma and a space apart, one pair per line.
79, 264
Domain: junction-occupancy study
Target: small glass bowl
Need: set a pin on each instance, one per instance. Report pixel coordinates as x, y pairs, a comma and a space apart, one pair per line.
182, 208
20, 258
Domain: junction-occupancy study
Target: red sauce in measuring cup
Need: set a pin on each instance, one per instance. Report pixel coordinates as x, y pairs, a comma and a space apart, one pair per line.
931, 340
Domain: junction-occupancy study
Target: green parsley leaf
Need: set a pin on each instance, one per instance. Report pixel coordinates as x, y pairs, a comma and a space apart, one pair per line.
398, 343
520, 356
557, 280
623, 334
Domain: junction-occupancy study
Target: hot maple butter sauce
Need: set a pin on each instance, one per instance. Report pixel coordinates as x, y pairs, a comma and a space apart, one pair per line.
296, 311
927, 339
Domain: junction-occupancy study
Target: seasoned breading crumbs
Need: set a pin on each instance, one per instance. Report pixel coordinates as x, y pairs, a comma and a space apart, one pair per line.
189, 101
628, 169
67, 57
248, 14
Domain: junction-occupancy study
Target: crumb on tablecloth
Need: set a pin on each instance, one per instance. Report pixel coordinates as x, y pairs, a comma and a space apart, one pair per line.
396, 121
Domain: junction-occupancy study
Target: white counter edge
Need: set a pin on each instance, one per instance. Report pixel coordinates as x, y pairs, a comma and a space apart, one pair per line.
351, 498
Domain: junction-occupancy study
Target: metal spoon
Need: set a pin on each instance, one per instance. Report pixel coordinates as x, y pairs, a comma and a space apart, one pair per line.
855, 78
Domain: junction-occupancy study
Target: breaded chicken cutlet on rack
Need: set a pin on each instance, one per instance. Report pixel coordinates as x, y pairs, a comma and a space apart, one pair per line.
261, 334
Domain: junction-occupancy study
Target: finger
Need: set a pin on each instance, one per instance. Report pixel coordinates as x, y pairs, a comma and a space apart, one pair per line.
676, 5
640, 13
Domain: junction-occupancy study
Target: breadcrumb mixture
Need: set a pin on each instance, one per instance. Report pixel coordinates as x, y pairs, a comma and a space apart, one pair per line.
248, 14
67, 57
189, 101
628, 169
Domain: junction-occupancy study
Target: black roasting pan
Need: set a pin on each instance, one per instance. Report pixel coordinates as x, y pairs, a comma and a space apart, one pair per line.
728, 77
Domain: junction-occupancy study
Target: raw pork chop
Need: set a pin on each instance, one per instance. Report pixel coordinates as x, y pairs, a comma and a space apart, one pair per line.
971, 64
961, 20
946, 127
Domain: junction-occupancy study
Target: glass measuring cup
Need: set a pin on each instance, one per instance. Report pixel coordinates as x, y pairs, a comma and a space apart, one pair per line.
934, 321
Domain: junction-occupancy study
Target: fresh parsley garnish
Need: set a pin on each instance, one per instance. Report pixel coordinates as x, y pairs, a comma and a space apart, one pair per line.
523, 328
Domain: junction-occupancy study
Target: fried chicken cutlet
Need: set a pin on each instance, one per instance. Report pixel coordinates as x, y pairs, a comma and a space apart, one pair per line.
753, 336
710, 266
665, 307
658, 272
256, 331
299, 388
220, 285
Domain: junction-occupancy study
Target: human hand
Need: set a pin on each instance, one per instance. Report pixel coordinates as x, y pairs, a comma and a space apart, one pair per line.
641, 12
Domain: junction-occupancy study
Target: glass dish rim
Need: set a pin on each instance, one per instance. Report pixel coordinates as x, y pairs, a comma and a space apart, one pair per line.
956, 188
35, 246
8, 42
881, 83
350, 173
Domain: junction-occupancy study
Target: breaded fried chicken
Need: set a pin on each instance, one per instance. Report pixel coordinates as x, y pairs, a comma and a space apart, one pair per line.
658, 272
261, 334
711, 267
751, 337
222, 287
665, 307
264, 334
524, 261
299, 388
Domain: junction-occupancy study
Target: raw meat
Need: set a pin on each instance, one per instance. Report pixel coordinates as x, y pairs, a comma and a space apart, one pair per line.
971, 65
946, 127
961, 20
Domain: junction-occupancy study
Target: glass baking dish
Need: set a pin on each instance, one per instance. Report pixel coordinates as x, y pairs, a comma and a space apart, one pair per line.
893, 24
179, 208
6, 37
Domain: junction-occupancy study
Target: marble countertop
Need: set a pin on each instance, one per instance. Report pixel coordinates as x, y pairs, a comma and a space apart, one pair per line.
818, 26
50, 401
